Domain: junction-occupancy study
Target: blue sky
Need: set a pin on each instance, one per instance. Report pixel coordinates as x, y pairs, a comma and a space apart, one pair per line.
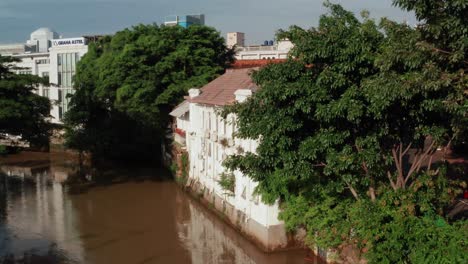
259, 19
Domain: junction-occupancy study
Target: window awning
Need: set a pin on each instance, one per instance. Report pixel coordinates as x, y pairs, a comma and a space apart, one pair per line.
180, 110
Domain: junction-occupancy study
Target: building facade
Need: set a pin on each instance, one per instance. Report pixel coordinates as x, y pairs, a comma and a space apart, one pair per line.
210, 139
279, 50
184, 20
47, 55
64, 56
269, 50
235, 39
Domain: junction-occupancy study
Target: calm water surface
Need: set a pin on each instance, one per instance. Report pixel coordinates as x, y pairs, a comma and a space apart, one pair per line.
44, 220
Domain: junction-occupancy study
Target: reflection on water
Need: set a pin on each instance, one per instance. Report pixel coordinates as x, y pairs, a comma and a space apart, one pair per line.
36, 218
138, 221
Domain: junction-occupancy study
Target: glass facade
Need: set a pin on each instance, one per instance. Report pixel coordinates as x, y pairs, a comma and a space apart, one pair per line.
66, 63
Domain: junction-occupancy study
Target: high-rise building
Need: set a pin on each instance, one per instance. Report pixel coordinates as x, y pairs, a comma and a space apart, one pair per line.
185, 20
235, 39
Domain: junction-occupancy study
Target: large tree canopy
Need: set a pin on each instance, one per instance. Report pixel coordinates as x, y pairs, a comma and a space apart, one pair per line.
22, 112
126, 84
348, 131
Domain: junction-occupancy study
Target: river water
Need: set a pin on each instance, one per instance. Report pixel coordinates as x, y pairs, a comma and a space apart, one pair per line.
137, 220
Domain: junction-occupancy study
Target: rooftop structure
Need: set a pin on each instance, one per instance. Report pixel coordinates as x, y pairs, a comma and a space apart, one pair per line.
41, 38
39, 42
235, 39
18, 48
185, 20
269, 50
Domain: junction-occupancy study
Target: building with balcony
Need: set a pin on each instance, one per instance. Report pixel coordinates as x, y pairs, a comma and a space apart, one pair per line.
278, 50
269, 50
209, 140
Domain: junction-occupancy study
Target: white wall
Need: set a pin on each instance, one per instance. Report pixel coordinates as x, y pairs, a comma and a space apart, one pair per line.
41, 63
37, 64
204, 135
278, 51
54, 91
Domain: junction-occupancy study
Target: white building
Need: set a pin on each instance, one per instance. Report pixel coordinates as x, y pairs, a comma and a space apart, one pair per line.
279, 50
64, 55
42, 39
47, 55
269, 50
235, 39
210, 139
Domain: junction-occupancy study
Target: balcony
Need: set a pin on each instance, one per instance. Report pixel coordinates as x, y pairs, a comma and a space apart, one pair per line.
179, 136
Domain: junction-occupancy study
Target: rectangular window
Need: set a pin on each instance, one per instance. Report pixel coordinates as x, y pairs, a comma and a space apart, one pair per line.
233, 126
67, 68
60, 113
203, 119
224, 127
209, 121
45, 92
43, 61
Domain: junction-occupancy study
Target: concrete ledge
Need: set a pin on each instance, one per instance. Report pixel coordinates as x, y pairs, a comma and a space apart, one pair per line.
269, 239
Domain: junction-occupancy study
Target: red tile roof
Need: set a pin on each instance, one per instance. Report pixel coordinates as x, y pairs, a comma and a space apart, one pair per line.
239, 64
221, 90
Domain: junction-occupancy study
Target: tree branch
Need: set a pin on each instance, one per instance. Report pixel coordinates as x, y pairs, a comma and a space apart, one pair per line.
407, 149
398, 167
392, 183
417, 163
366, 171
353, 191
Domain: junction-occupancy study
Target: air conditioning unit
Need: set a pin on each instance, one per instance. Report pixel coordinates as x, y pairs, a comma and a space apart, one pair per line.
214, 137
207, 134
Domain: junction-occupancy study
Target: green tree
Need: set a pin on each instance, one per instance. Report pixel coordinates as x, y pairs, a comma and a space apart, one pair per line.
127, 84
444, 34
22, 112
348, 130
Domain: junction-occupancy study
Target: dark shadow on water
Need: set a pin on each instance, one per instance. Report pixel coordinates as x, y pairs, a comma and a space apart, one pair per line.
52, 256
80, 183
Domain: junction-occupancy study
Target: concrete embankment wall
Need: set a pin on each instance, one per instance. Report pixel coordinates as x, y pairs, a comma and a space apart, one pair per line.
269, 238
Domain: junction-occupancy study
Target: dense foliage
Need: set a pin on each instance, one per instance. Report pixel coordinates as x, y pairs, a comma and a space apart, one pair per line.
349, 131
23, 113
127, 84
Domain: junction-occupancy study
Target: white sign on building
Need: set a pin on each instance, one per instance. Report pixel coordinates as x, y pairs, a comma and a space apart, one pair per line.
68, 42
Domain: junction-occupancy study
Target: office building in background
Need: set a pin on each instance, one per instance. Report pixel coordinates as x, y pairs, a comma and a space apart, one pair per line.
46, 54
184, 20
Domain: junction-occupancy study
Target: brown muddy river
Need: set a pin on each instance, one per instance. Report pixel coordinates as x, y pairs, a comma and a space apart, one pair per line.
135, 221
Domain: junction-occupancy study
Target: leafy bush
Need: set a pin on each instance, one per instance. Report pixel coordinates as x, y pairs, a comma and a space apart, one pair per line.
227, 181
